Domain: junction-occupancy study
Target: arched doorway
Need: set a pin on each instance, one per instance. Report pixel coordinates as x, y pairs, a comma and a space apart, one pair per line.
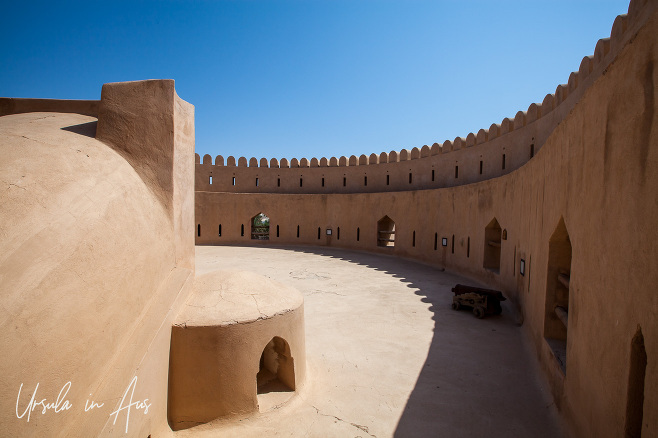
492, 243
385, 232
275, 380
558, 275
260, 227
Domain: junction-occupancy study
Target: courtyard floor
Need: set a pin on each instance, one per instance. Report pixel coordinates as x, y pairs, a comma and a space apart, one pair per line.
387, 356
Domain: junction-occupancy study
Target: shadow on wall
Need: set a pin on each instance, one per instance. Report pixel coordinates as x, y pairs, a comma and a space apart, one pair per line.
466, 385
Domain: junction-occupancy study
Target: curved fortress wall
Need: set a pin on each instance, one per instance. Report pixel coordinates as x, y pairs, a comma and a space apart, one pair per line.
580, 213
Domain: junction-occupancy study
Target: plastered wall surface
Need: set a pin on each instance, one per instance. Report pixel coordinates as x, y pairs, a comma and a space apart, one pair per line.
594, 168
92, 271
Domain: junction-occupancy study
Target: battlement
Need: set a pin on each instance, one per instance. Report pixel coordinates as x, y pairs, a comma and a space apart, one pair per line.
488, 153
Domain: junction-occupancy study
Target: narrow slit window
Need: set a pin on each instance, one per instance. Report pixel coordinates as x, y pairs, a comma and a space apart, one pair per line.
242, 230
432, 174
413, 240
338, 233
210, 181
277, 231
468, 247
220, 230
278, 182
358, 232
410, 177
436, 241
344, 181
365, 180
480, 167
298, 231
452, 249
503, 161
301, 182
319, 232
233, 183
456, 172
532, 150
198, 230
322, 182
257, 182
388, 179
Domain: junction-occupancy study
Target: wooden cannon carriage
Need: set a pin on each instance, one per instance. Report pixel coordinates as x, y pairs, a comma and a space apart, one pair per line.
482, 301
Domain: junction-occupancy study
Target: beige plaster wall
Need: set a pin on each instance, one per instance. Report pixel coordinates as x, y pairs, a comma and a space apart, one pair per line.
596, 170
10, 105
92, 266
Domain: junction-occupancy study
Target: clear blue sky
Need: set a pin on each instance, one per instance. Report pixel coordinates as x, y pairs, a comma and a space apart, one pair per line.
309, 78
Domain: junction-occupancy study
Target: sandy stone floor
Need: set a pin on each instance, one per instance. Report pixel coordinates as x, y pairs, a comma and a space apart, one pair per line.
387, 356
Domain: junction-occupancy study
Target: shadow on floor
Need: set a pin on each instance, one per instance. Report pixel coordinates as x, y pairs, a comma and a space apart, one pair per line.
479, 379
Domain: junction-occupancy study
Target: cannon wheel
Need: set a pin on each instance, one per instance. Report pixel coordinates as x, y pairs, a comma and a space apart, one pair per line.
456, 305
478, 312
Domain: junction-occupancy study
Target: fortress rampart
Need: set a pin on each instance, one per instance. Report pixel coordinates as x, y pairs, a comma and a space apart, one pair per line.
568, 225
489, 153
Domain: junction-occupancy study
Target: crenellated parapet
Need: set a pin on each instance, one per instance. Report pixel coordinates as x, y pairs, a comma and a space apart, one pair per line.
488, 153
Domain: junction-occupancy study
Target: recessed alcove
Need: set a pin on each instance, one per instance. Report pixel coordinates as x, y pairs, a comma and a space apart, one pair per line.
492, 244
556, 310
386, 232
275, 381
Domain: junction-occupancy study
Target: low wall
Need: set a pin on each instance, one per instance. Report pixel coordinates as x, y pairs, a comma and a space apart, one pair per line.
10, 105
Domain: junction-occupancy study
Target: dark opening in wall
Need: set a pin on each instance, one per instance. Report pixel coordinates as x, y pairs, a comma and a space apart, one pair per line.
452, 249
319, 233
386, 232
233, 183
514, 264
278, 182
456, 172
468, 247
242, 230
297, 230
219, 232
503, 161
532, 150
410, 177
198, 230
635, 397
388, 179
492, 245
256, 182
276, 370
480, 167
413, 239
301, 182
365, 180
358, 233
432, 174
558, 276
322, 182
210, 180
338, 233
436, 241
260, 227
277, 231
344, 181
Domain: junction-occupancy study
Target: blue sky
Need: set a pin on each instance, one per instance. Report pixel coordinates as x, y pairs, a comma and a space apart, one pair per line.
309, 78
